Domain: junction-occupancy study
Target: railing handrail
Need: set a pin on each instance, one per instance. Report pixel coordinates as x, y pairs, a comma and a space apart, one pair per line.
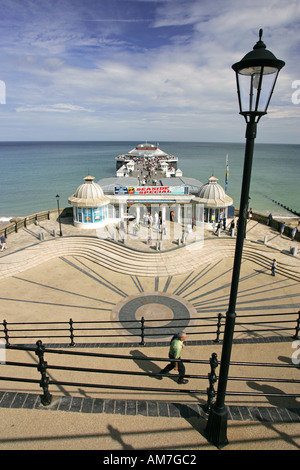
146, 358
142, 330
46, 398
156, 319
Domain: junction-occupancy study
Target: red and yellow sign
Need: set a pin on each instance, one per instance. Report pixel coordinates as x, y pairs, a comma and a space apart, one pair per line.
151, 190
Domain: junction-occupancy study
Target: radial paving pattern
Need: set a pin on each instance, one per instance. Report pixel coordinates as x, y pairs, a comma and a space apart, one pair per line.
76, 287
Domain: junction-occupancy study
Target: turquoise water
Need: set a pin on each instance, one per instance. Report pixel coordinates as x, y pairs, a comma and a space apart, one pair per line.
32, 173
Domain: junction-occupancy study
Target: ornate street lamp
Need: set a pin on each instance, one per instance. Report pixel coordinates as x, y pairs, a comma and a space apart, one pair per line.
256, 75
60, 231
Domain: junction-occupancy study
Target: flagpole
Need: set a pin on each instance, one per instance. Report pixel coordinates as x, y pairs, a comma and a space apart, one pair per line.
226, 173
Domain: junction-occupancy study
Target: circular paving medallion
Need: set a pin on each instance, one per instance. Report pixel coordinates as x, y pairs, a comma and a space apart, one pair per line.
163, 314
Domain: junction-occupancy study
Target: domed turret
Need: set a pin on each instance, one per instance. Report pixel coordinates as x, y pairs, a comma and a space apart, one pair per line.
214, 201
88, 194
213, 195
90, 205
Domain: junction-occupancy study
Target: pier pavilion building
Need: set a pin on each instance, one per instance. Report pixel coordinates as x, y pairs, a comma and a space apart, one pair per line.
144, 187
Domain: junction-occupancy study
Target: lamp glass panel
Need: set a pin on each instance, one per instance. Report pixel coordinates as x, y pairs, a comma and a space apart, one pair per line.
255, 86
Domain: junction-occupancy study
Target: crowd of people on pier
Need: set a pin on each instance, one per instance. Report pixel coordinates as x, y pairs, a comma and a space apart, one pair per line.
148, 168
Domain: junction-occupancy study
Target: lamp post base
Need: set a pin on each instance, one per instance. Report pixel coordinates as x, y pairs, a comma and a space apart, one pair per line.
216, 428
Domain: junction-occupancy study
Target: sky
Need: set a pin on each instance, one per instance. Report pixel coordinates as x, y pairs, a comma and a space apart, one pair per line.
142, 70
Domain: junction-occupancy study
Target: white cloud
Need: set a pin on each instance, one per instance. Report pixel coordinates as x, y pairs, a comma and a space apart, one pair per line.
60, 108
287, 112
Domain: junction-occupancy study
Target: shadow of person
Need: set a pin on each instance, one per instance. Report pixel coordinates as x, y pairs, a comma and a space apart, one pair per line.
275, 396
145, 365
117, 436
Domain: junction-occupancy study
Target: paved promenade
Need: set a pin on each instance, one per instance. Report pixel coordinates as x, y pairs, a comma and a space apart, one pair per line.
92, 278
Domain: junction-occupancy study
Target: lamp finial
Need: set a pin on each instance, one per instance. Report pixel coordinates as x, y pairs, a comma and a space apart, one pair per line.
260, 44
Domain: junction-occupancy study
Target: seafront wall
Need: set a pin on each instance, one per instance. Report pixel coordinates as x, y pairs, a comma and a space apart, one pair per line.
275, 223
18, 223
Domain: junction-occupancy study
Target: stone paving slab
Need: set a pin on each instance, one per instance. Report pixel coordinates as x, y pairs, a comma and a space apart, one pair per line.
158, 409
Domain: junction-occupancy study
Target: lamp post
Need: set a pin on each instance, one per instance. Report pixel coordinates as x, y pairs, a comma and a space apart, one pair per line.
256, 75
60, 231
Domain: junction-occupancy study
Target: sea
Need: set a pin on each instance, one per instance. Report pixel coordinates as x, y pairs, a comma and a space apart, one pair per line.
33, 173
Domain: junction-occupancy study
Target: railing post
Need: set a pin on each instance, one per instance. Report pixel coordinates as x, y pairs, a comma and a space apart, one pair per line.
211, 393
71, 332
6, 333
42, 367
296, 335
220, 316
142, 343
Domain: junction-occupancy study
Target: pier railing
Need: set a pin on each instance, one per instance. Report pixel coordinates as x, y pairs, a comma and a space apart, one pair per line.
18, 223
208, 328
105, 381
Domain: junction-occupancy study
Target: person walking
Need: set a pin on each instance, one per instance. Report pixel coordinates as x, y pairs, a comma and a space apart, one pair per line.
232, 227
218, 228
176, 346
273, 267
294, 232
269, 221
3, 242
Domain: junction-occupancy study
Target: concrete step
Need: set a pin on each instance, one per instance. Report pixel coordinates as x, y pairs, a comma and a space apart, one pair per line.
129, 261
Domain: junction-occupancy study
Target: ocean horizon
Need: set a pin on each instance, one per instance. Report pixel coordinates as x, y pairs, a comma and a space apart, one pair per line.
33, 173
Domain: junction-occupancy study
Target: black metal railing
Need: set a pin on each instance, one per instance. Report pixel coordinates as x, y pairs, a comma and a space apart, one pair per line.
263, 380
42, 367
17, 224
45, 381
208, 327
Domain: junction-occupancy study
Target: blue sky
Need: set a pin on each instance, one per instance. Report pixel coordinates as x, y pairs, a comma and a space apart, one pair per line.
141, 69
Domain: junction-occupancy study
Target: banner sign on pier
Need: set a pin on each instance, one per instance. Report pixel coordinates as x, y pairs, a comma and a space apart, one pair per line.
150, 190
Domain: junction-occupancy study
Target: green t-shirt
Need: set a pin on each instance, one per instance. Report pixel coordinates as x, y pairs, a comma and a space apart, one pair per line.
176, 348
